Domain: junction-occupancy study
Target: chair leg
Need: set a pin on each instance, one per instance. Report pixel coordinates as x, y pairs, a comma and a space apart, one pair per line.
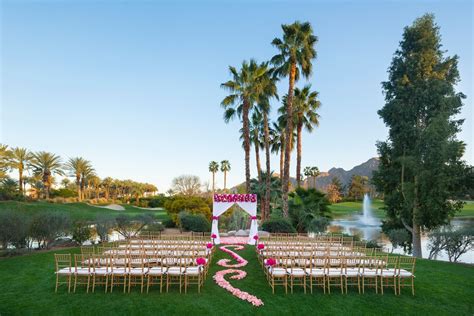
342, 288
413, 286
69, 283
57, 281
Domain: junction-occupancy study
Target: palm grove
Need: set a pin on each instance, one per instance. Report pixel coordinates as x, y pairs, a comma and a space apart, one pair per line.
41, 169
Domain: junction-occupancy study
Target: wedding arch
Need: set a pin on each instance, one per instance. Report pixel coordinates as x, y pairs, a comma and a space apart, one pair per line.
222, 202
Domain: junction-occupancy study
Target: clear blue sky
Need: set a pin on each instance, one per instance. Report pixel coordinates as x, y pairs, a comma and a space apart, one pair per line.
134, 86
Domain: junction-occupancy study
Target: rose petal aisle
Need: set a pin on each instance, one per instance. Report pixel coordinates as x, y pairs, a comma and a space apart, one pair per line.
238, 275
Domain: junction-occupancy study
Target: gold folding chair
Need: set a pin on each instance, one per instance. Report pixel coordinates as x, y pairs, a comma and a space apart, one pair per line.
193, 274
296, 273
369, 272
155, 271
82, 271
137, 270
388, 273
278, 275
334, 273
63, 269
100, 269
406, 272
316, 273
352, 272
176, 266
118, 272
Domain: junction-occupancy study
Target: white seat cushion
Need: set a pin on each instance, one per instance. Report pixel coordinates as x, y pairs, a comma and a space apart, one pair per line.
405, 274
387, 273
351, 272
278, 271
120, 270
82, 271
175, 270
101, 271
138, 271
369, 272
315, 272
296, 271
64, 271
193, 270
157, 271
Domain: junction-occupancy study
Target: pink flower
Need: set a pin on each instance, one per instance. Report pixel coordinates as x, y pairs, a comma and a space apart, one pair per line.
201, 261
260, 246
255, 237
270, 262
209, 245
213, 236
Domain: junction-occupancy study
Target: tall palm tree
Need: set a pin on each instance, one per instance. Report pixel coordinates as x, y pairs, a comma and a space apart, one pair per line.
255, 129
107, 184
46, 164
311, 172
296, 51
20, 159
87, 174
5, 154
225, 167
280, 136
278, 143
244, 89
213, 167
305, 106
76, 166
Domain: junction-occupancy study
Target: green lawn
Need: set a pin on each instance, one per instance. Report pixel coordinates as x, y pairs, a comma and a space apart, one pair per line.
80, 211
345, 209
27, 288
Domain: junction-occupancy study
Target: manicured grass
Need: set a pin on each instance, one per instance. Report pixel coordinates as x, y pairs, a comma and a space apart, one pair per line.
345, 209
27, 287
79, 211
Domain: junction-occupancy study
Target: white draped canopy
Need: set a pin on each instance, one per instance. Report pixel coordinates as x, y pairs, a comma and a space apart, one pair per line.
222, 202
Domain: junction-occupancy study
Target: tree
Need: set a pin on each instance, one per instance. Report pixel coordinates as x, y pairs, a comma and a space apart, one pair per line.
213, 168
260, 188
225, 167
106, 185
244, 88
5, 154
255, 129
334, 190
420, 170
19, 160
187, 185
296, 51
305, 106
305, 206
191, 204
79, 167
454, 242
311, 172
46, 164
358, 187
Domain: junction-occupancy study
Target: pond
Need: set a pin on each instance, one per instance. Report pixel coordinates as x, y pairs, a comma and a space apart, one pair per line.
369, 228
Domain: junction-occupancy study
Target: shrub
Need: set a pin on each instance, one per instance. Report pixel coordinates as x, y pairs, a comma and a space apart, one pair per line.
306, 205
400, 237
46, 227
454, 242
318, 224
169, 223
190, 204
154, 227
81, 232
14, 229
373, 244
63, 193
278, 225
129, 227
103, 226
157, 201
195, 223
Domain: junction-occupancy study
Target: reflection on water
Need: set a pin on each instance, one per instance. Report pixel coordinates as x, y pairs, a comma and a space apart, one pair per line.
355, 226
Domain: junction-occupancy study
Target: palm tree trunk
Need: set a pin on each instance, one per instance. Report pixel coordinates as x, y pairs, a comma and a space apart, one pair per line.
20, 179
266, 136
282, 158
245, 119
257, 159
298, 153
225, 180
213, 181
288, 134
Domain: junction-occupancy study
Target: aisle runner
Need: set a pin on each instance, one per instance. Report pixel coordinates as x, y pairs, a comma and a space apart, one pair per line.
238, 274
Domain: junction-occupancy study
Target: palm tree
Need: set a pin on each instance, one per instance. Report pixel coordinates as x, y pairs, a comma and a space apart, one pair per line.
76, 166
65, 182
19, 159
279, 137
225, 167
46, 164
5, 155
107, 184
296, 51
244, 89
213, 167
305, 106
311, 172
87, 174
255, 129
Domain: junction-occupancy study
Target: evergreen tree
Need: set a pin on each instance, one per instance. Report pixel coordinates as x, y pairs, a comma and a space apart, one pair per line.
421, 170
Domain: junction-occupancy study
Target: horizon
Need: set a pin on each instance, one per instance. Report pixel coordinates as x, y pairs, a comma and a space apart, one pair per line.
142, 102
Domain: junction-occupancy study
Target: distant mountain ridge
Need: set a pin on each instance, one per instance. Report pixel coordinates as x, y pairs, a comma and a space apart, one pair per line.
325, 178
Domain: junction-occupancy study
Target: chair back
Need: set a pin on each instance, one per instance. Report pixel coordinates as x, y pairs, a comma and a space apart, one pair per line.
62, 261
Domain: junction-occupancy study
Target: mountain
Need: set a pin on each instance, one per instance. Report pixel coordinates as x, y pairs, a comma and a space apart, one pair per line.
325, 178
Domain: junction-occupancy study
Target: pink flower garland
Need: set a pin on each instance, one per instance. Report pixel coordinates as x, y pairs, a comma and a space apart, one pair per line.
219, 278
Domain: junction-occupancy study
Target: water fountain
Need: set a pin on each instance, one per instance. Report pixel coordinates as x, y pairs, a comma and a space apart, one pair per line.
367, 217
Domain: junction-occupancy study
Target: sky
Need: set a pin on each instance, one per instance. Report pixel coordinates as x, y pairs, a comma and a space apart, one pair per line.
134, 86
